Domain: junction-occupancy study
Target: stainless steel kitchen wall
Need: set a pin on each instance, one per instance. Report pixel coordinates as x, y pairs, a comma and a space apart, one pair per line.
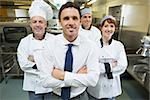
132, 15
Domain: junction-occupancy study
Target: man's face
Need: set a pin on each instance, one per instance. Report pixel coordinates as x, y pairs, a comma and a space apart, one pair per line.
70, 22
38, 25
86, 20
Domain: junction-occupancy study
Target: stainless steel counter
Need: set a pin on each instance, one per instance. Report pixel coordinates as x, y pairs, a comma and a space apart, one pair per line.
139, 69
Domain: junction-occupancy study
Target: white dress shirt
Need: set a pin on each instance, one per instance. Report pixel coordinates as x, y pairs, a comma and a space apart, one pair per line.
26, 47
84, 53
107, 88
93, 34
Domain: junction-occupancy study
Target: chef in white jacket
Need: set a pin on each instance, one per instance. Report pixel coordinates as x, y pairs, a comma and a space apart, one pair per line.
112, 63
86, 28
84, 58
40, 12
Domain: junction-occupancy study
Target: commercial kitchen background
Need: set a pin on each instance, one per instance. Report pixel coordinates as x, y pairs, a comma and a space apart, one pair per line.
133, 18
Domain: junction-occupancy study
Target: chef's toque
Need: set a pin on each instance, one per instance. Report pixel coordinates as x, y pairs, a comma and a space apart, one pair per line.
41, 8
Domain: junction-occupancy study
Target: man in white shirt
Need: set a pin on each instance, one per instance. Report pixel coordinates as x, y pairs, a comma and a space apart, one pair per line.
86, 28
27, 46
85, 70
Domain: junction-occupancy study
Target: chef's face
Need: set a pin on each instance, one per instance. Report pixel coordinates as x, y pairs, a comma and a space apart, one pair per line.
108, 29
38, 25
86, 20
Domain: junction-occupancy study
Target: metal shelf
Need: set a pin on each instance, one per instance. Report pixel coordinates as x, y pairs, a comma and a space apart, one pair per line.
8, 63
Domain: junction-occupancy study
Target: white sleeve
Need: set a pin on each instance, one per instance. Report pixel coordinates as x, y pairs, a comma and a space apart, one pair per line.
89, 79
45, 63
121, 62
22, 55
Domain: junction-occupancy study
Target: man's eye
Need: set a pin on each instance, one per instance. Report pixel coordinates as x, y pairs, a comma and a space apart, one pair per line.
34, 21
66, 18
40, 21
75, 18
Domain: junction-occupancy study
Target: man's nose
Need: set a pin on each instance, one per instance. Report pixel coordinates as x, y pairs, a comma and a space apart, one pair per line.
71, 22
37, 23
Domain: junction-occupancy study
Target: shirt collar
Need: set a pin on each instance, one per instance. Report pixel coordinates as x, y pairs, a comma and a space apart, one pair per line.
44, 37
76, 42
88, 28
102, 44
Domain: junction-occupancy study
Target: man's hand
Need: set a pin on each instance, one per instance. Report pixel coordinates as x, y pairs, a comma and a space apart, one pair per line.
82, 70
58, 74
31, 58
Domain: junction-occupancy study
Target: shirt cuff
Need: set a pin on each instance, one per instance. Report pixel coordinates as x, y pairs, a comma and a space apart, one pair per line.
69, 76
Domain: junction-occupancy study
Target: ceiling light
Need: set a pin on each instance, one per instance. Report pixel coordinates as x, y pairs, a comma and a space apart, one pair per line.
91, 2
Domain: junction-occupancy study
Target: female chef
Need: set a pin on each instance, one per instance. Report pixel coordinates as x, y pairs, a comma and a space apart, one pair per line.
112, 63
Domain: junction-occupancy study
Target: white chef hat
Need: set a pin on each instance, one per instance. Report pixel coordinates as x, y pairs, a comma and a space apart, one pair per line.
85, 11
107, 17
40, 8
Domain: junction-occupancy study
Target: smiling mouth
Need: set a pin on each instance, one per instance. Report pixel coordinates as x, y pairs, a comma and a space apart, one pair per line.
71, 29
37, 30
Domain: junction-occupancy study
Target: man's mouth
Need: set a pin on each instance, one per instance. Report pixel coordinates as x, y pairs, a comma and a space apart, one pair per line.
71, 29
37, 29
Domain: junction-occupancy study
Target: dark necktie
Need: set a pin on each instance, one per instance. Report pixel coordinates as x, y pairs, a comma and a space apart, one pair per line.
65, 91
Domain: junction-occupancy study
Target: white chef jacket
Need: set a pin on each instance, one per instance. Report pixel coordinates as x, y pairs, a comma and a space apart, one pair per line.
107, 88
26, 47
84, 53
93, 34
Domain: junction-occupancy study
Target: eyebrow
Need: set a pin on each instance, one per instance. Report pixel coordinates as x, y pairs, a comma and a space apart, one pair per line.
67, 17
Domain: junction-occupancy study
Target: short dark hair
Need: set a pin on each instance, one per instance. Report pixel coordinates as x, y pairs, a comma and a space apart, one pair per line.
69, 5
